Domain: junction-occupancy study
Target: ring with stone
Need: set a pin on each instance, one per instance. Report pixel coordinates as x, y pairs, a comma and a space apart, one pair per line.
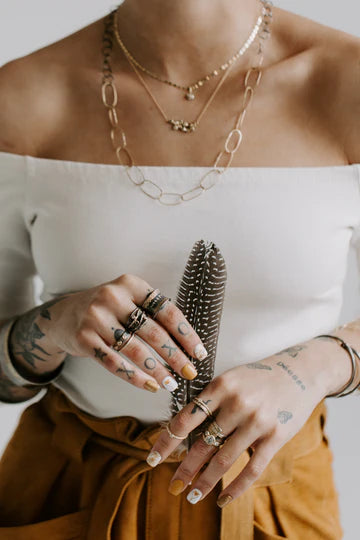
210, 439
122, 337
216, 430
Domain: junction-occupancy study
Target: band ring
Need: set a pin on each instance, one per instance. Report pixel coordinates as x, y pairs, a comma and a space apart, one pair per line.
211, 439
171, 434
153, 302
215, 429
124, 338
136, 320
200, 403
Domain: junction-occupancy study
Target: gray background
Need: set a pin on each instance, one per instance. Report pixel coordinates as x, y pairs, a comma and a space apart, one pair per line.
25, 26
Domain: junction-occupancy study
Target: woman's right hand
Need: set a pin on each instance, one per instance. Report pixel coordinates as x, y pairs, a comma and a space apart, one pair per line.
84, 324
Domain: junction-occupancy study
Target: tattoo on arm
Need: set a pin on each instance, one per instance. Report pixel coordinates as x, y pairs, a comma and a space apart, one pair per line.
258, 365
292, 351
284, 416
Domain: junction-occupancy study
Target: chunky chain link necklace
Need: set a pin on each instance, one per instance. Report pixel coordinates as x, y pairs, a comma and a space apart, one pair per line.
189, 90
232, 142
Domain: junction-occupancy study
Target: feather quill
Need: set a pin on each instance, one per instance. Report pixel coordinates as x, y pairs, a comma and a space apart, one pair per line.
200, 297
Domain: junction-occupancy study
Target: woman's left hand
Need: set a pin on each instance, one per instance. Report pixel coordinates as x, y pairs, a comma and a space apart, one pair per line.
259, 405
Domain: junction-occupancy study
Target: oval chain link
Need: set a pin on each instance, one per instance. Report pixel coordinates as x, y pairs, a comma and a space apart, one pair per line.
210, 178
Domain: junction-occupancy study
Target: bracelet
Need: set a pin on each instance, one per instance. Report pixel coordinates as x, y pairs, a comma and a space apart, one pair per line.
351, 352
7, 365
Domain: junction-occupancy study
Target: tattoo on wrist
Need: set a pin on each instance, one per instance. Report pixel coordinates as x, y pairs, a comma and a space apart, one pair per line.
258, 365
284, 416
292, 351
293, 375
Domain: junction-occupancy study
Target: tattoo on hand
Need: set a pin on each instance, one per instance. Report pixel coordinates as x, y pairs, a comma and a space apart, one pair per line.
183, 329
129, 372
292, 351
170, 348
258, 365
100, 354
284, 416
293, 375
196, 407
150, 363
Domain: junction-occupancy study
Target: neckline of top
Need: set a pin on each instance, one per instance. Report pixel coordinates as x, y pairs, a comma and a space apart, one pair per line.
181, 167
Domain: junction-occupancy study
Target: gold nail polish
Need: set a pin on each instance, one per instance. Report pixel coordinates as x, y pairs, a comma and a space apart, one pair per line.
224, 500
176, 487
152, 386
189, 372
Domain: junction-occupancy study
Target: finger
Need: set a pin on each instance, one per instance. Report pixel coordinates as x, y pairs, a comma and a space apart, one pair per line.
264, 452
190, 417
169, 316
137, 352
221, 461
120, 367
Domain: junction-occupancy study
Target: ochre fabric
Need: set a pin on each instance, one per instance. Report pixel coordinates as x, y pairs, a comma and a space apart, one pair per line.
67, 475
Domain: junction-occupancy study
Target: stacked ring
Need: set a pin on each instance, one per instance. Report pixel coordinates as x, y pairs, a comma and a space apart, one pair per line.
136, 320
200, 403
213, 435
123, 338
154, 302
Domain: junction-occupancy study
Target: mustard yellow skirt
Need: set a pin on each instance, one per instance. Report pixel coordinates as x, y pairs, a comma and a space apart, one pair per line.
67, 475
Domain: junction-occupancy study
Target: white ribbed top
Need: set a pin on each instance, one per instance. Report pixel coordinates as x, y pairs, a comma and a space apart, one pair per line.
284, 233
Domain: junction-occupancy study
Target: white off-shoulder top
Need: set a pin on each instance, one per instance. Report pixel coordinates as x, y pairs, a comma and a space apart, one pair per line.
284, 232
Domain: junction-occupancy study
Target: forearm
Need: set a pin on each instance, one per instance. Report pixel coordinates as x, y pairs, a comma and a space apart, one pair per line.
31, 352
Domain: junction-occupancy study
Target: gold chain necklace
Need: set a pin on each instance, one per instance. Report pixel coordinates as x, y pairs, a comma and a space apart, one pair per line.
189, 95
233, 140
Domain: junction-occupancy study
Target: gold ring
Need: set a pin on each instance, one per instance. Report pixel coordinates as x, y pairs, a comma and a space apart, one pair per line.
200, 403
210, 439
216, 430
123, 340
171, 434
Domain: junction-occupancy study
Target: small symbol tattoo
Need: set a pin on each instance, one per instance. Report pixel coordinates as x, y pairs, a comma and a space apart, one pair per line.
129, 372
169, 347
196, 407
284, 416
100, 354
150, 363
183, 329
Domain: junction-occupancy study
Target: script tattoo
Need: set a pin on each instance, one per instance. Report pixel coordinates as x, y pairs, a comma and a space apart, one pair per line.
258, 365
129, 372
169, 347
284, 416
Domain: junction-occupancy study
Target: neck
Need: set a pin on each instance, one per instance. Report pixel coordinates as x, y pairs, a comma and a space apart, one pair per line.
185, 38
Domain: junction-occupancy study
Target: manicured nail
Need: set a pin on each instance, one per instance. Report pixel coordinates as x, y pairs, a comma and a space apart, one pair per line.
153, 458
194, 496
169, 383
200, 351
223, 500
176, 487
189, 372
152, 386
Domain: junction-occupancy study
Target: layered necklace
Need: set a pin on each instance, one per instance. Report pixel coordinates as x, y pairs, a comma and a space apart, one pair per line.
261, 31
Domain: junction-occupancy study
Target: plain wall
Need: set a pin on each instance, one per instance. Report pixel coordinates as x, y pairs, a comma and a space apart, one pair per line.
25, 26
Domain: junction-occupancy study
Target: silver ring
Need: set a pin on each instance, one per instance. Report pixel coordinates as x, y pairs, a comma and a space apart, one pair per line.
136, 320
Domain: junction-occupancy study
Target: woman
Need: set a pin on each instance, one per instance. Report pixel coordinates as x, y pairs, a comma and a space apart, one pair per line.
91, 459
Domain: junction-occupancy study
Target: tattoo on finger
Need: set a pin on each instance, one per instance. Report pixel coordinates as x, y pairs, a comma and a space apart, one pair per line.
170, 348
150, 363
129, 372
100, 354
196, 407
183, 329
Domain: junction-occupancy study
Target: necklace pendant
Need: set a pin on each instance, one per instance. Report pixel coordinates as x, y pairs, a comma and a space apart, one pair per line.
190, 96
182, 125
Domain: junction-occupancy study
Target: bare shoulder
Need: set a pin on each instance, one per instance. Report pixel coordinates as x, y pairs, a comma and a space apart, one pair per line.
330, 60
35, 89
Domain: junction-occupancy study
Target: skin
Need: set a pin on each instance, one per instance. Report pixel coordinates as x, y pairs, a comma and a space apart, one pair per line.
305, 113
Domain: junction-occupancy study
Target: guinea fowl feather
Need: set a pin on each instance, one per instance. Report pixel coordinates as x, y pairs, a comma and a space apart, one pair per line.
200, 297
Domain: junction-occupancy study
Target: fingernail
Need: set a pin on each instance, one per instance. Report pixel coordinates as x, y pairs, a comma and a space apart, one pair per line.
194, 496
176, 487
223, 500
189, 372
169, 383
153, 458
200, 351
152, 386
